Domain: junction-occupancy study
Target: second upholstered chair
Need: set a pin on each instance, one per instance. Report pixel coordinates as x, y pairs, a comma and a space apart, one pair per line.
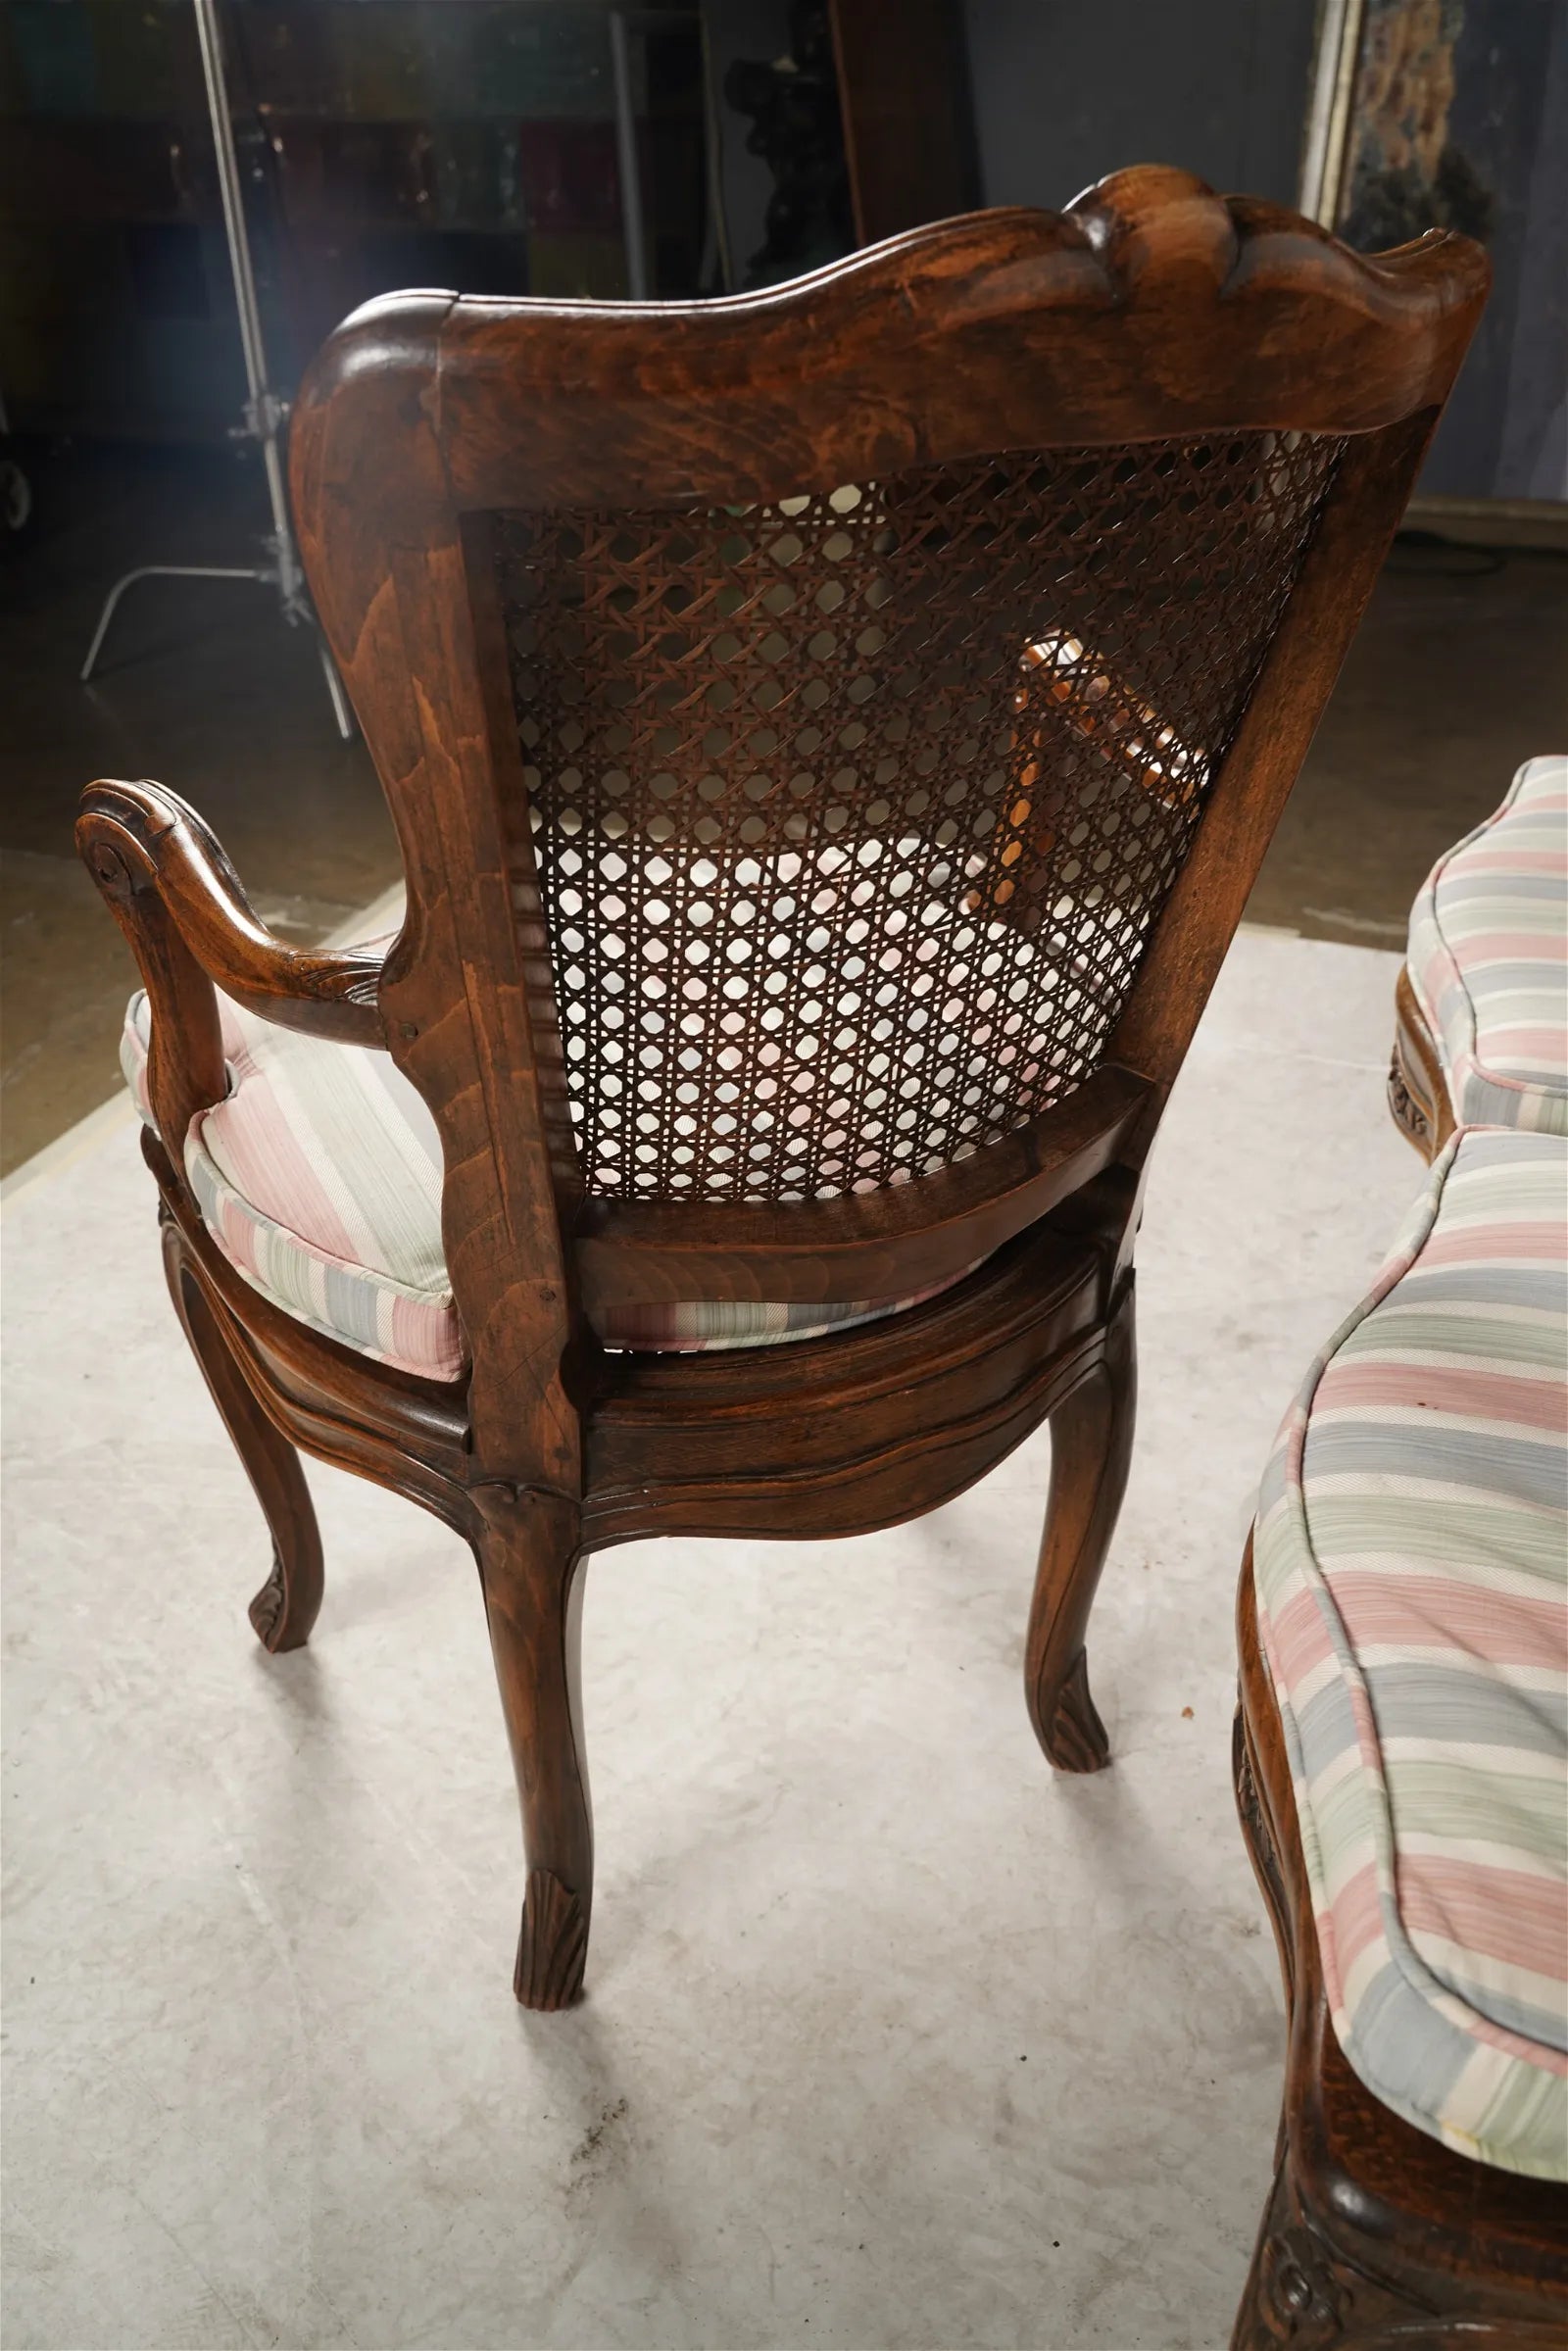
1481, 1007
831, 734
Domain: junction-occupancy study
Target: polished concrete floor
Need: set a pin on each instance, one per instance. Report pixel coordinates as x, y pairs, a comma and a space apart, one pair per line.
1458, 674
892, 2039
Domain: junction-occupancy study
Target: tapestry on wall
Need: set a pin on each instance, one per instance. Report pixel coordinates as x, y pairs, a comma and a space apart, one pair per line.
1451, 110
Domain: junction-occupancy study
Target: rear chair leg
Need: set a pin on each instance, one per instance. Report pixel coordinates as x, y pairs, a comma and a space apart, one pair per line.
530, 1565
286, 1608
1090, 1450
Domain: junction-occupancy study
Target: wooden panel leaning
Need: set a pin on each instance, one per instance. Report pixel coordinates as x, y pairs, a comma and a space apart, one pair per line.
831, 734
1374, 2235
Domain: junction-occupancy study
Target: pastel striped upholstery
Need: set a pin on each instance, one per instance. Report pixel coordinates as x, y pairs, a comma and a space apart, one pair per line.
1412, 1565
320, 1179
1489, 958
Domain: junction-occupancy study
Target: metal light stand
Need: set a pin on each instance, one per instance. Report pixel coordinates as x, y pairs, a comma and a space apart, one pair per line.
623, 21
265, 413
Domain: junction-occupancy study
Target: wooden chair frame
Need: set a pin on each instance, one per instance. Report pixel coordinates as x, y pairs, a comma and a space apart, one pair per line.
1152, 308
1375, 2236
1419, 1102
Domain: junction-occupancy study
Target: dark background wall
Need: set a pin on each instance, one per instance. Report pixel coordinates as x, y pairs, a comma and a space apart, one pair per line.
1064, 94
1505, 434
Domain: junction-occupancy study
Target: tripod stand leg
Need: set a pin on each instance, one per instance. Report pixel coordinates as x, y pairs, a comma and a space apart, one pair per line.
156, 571
334, 686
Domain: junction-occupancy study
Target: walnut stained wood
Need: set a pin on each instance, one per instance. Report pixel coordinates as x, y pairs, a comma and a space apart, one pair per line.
528, 525
1419, 1102
1374, 2235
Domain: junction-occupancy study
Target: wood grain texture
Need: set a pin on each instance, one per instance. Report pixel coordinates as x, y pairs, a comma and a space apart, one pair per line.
883, 1243
186, 1071
531, 1558
1152, 308
1374, 2235
1151, 312
147, 827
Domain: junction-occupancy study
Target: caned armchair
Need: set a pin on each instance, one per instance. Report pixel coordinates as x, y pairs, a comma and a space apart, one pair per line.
831, 734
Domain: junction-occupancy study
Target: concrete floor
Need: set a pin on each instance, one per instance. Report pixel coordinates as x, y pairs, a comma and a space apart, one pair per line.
892, 2039
1458, 674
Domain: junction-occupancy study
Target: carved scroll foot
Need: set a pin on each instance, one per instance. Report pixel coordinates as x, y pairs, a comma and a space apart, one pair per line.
553, 1947
530, 1566
277, 1617
1074, 1737
1090, 1450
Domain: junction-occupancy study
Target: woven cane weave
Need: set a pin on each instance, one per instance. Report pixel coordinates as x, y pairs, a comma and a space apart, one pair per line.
851, 814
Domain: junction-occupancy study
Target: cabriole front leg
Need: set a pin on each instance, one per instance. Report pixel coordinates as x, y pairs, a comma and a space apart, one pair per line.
287, 1606
1090, 1450
530, 1565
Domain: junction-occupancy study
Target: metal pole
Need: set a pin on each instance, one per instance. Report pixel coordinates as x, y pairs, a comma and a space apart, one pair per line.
264, 412
268, 578
627, 161
713, 133
1334, 71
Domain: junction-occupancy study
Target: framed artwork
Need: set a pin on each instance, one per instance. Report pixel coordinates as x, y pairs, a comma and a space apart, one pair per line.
1451, 113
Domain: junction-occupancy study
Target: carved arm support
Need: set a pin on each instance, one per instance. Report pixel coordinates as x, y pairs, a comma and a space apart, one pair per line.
191, 927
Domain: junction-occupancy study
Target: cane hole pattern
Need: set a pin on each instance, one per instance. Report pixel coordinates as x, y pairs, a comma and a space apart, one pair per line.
850, 815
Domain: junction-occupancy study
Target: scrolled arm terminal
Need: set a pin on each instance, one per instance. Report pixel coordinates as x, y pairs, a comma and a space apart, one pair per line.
143, 843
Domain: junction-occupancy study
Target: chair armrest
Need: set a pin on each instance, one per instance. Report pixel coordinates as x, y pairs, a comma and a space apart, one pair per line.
143, 844
1069, 688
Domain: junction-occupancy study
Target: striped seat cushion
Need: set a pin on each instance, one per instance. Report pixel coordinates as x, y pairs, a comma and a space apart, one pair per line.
1489, 958
320, 1179
1412, 1563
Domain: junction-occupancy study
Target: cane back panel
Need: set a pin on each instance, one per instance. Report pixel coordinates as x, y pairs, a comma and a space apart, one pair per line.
851, 814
